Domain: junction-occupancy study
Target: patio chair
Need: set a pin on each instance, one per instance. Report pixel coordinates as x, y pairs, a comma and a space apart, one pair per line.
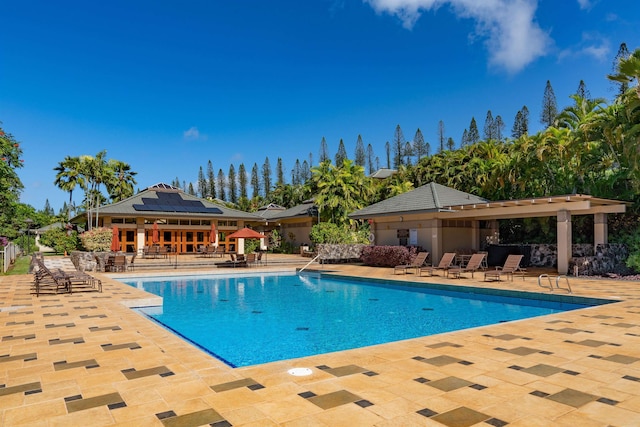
444, 265
511, 266
251, 259
163, 252
212, 251
119, 263
417, 262
474, 264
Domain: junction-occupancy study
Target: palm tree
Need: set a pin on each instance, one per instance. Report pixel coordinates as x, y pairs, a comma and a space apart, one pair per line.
629, 70
68, 176
120, 185
341, 190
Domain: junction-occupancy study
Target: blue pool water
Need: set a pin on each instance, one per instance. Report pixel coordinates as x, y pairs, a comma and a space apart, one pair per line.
247, 320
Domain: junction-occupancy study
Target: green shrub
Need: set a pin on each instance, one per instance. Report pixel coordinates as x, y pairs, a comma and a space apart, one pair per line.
327, 232
97, 239
59, 240
250, 245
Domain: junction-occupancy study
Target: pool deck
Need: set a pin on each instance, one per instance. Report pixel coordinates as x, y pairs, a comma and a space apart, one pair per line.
86, 359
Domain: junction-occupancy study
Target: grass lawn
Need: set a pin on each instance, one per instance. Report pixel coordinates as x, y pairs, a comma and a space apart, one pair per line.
21, 266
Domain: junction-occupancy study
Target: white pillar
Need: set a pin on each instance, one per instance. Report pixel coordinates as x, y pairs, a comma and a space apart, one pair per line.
240, 246
601, 230
564, 241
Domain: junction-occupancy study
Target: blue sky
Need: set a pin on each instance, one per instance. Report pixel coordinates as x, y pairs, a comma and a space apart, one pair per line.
167, 86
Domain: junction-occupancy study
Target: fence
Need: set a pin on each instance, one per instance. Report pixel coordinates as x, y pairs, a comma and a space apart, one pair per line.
8, 256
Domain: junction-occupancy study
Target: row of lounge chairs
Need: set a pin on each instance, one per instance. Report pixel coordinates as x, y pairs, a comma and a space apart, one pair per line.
211, 251
55, 281
476, 262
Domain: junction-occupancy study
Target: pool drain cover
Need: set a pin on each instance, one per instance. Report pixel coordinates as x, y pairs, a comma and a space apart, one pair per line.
300, 372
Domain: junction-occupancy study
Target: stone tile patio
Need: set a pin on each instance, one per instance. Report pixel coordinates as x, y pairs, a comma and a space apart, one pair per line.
87, 359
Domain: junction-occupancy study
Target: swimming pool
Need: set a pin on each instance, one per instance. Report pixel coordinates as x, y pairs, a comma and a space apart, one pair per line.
245, 320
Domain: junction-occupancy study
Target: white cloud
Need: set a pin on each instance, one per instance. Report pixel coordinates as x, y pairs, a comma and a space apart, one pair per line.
592, 45
512, 36
193, 134
584, 4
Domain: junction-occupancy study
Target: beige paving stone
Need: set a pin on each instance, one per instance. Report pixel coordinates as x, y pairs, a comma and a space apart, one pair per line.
394, 408
100, 416
507, 396
30, 413
349, 416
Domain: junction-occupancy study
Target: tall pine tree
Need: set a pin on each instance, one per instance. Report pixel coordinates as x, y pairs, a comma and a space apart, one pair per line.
398, 147
498, 126
255, 181
489, 127
324, 150
360, 154
266, 177
232, 184
341, 155
473, 134
211, 181
370, 159
549, 106
242, 181
202, 184
442, 139
419, 148
621, 86
279, 172
222, 183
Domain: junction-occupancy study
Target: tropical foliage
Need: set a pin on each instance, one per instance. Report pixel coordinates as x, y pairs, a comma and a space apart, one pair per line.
90, 173
60, 239
97, 239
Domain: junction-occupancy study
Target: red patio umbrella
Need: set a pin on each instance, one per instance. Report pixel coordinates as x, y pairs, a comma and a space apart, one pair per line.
213, 235
115, 240
246, 233
155, 235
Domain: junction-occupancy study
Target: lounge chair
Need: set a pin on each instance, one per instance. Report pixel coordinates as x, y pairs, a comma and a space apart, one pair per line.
59, 281
417, 262
474, 264
444, 265
511, 266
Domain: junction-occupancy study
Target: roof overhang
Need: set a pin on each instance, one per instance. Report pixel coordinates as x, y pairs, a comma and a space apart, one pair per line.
577, 204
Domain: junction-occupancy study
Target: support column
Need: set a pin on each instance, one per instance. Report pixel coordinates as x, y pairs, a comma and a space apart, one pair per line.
475, 235
140, 242
600, 230
436, 241
564, 241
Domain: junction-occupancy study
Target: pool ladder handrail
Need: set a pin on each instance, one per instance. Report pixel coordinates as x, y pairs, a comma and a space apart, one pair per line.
558, 278
309, 263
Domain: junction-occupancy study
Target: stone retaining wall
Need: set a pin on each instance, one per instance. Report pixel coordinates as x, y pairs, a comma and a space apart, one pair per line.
605, 259
328, 253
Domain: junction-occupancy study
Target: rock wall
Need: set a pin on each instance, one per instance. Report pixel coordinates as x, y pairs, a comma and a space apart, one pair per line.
339, 252
606, 258
88, 261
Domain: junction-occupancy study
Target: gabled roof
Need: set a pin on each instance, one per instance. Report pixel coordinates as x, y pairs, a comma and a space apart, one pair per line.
431, 197
383, 173
168, 201
301, 210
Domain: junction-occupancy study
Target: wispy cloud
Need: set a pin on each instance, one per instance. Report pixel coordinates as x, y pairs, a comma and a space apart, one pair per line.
592, 45
586, 4
512, 36
193, 134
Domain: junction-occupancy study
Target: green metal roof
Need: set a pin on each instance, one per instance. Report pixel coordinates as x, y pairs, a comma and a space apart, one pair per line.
131, 206
431, 197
